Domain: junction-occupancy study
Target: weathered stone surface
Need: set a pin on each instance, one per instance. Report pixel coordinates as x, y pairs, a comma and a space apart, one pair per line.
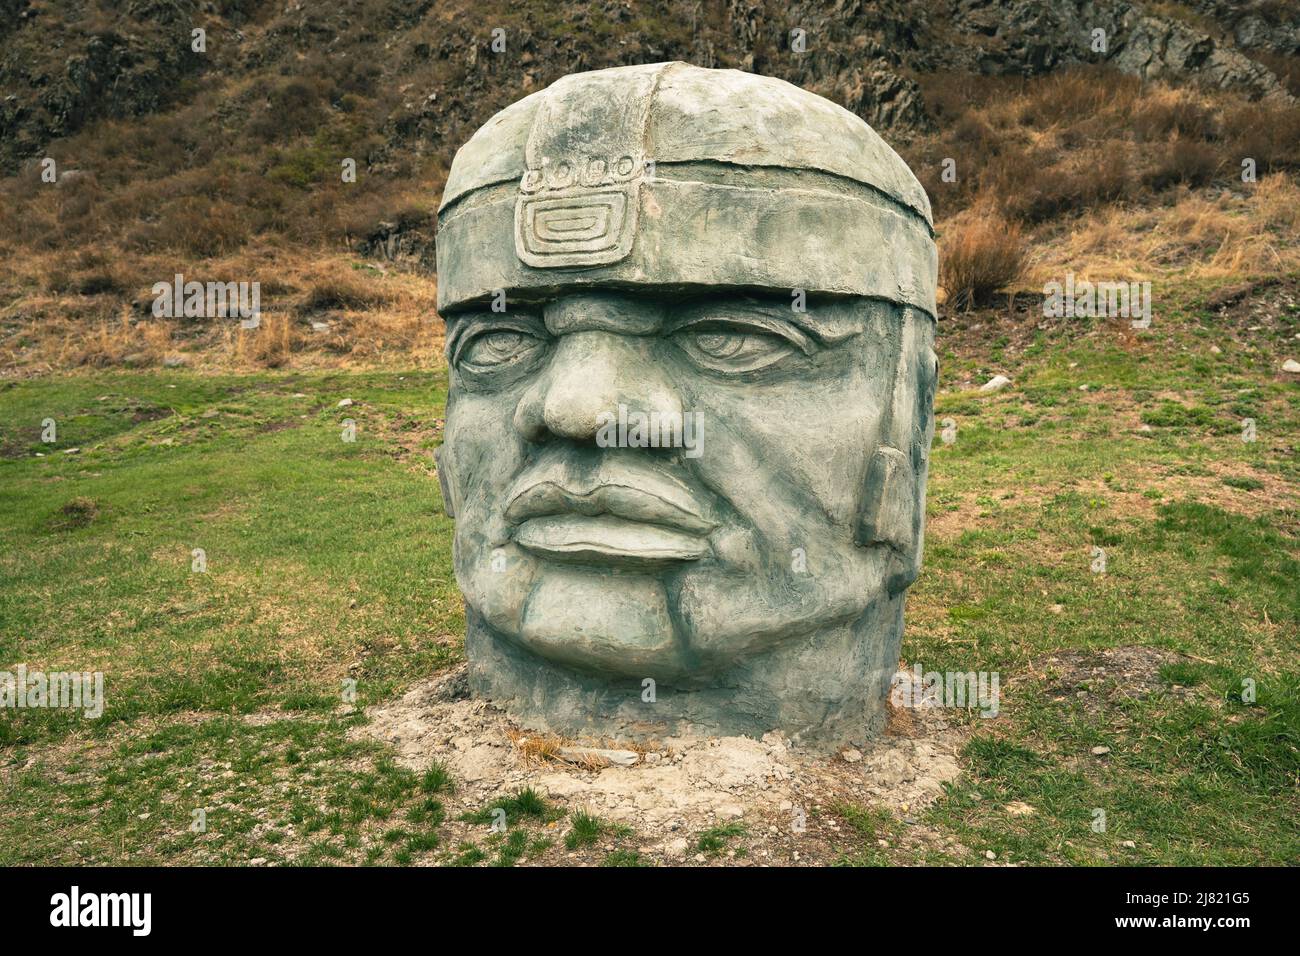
1029, 37
1155, 48
690, 324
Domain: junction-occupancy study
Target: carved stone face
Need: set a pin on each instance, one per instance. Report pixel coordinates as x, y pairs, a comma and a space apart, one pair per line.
687, 433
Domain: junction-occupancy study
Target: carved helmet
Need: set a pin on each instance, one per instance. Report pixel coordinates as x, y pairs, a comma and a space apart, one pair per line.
673, 175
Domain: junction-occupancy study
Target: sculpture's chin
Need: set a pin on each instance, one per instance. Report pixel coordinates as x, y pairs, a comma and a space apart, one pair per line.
825, 685
594, 621
686, 624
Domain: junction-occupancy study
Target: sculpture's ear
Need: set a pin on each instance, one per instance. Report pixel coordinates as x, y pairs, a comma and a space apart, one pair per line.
891, 510
891, 515
442, 463
886, 510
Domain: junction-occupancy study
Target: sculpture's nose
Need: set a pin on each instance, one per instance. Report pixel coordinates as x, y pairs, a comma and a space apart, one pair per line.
591, 373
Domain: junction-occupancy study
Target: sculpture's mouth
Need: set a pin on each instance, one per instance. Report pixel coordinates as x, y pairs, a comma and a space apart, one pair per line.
611, 523
608, 540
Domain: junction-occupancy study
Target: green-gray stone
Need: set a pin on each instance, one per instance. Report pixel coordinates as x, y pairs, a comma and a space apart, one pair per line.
750, 269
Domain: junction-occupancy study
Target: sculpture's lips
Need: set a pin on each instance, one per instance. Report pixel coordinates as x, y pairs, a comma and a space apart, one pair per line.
625, 524
664, 506
608, 539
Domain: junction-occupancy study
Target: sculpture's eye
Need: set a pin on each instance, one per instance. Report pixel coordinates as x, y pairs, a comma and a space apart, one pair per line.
493, 349
720, 345
734, 348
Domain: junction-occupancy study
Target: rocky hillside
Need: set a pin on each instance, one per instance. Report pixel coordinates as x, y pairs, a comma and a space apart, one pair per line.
68, 63
188, 132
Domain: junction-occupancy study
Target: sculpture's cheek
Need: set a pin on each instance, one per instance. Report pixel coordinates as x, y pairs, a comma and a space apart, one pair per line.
788, 462
483, 455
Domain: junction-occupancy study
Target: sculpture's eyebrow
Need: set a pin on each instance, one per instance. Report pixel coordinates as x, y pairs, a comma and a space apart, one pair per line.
826, 328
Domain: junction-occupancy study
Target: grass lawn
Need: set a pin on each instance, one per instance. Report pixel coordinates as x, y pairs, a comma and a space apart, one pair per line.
328, 563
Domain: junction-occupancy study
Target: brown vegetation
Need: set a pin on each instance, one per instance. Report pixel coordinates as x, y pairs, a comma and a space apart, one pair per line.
1086, 137
979, 254
317, 307
1079, 157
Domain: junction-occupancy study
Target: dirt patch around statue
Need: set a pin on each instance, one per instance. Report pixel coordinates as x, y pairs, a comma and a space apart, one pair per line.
670, 797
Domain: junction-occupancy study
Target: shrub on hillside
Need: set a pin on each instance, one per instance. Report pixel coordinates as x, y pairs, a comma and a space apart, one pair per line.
194, 226
1052, 146
1182, 161
1162, 114
1266, 133
1031, 190
341, 293
979, 254
292, 107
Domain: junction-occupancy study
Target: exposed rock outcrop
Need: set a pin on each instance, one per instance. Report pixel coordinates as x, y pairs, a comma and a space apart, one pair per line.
1159, 49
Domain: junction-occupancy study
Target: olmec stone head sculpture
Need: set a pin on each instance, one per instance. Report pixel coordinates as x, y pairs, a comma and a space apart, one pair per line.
690, 315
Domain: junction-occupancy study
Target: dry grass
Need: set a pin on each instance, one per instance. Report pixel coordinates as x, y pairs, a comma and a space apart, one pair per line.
1050, 147
65, 317
269, 345
534, 747
113, 342
1195, 237
343, 292
979, 255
